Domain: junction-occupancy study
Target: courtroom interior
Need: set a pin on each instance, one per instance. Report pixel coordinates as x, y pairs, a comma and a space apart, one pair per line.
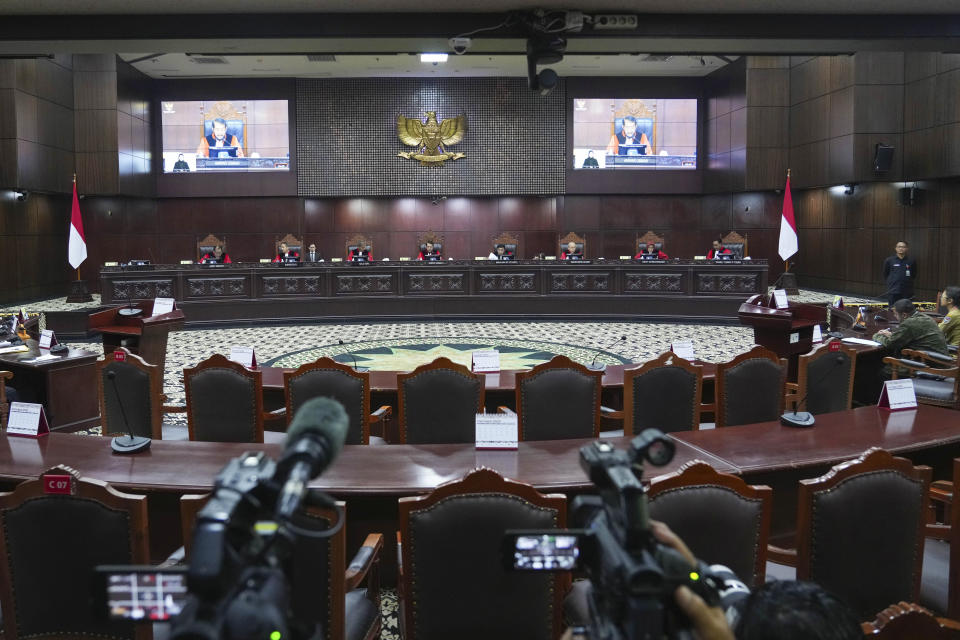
307, 308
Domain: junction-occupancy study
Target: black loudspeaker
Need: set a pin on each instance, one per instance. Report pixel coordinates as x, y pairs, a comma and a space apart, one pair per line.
882, 158
910, 196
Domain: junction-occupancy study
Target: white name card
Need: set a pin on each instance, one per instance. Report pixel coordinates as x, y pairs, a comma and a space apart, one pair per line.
684, 350
162, 306
47, 339
898, 395
27, 419
496, 431
405, 259
486, 361
186, 262
265, 261
244, 355
795, 338
780, 297
111, 263
625, 257
549, 257
336, 259
817, 333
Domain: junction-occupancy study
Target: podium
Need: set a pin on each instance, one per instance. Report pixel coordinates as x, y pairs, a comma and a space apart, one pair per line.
143, 334
787, 332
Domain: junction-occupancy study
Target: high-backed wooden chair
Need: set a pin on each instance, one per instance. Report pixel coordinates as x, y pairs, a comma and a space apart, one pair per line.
848, 541
4, 405
721, 518
558, 399
563, 241
438, 402
434, 238
750, 388
908, 621
935, 376
941, 495
473, 513
664, 393
328, 378
50, 544
206, 245
139, 386
647, 238
224, 401
293, 243
737, 244
510, 241
357, 241
324, 588
824, 379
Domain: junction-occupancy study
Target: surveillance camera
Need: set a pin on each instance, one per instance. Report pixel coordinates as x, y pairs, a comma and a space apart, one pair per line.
460, 45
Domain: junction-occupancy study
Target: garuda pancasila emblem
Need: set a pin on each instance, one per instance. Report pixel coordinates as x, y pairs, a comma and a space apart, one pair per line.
431, 138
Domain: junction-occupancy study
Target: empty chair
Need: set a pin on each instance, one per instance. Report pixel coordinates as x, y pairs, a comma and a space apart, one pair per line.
131, 395
664, 393
331, 379
438, 403
750, 388
942, 591
224, 401
860, 530
934, 375
907, 621
452, 581
721, 518
558, 399
4, 405
825, 378
49, 546
324, 588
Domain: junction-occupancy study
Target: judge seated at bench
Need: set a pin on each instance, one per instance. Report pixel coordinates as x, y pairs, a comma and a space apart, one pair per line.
217, 256
285, 254
571, 253
430, 253
916, 331
719, 252
312, 255
500, 253
360, 254
651, 252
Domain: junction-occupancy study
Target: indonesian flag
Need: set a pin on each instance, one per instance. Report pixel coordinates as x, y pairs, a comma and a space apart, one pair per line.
77, 249
788, 227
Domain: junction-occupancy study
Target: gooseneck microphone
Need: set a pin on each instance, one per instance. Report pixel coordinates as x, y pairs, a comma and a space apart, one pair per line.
600, 367
356, 367
128, 443
805, 418
314, 440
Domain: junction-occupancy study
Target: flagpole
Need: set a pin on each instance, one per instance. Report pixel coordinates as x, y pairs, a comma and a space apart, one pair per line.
786, 263
75, 188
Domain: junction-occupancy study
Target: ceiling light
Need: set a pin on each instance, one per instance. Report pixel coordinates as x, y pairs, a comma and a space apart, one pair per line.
433, 57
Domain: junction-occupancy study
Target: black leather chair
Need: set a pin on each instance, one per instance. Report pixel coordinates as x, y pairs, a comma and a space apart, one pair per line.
49, 546
664, 393
935, 379
908, 621
825, 378
342, 606
558, 399
139, 386
719, 516
737, 244
328, 378
224, 401
860, 530
4, 405
452, 581
750, 388
438, 403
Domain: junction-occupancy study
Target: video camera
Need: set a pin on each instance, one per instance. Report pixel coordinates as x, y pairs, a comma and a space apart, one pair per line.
633, 576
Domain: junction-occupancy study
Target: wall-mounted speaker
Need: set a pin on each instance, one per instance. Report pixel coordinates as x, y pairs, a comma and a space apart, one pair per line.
882, 158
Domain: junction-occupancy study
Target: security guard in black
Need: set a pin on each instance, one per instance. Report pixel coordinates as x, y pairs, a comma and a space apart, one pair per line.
899, 272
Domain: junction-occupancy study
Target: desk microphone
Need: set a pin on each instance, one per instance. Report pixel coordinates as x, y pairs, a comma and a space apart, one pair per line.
356, 367
130, 311
805, 418
128, 443
593, 366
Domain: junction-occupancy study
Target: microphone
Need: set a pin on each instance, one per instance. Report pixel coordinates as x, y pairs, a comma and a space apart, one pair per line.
804, 418
128, 443
356, 367
314, 440
600, 367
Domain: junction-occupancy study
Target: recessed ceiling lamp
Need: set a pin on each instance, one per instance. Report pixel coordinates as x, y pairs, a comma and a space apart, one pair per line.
433, 57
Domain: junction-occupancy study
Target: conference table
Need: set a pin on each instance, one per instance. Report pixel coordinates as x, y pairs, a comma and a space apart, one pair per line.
371, 478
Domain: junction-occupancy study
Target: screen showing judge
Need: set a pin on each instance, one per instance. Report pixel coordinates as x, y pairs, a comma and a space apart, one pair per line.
285, 254
500, 253
217, 256
571, 252
429, 253
629, 142
219, 139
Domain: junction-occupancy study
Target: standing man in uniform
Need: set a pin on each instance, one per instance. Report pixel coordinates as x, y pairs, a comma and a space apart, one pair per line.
899, 272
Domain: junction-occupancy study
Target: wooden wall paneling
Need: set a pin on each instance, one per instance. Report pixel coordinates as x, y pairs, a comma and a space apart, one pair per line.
768, 87
457, 216
878, 67
949, 205
174, 248
925, 247
429, 216
948, 266
25, 105
376, 213
318, 216
26, 75
348, 215
919, 64
920, 103
878, 108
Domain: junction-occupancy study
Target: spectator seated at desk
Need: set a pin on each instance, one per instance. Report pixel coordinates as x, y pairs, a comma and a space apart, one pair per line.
950, 325
719, 252
217, 256
651, 252
359, 254
500, 253
572, 252
284, 254
916, 331
430, 253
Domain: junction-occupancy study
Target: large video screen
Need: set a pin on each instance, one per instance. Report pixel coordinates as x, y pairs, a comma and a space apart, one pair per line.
634, 133
218, 136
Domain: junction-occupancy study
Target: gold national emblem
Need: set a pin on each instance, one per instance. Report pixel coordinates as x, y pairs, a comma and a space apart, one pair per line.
431, 138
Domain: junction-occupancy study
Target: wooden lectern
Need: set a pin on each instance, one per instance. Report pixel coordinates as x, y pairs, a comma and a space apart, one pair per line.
143, 334
786, 332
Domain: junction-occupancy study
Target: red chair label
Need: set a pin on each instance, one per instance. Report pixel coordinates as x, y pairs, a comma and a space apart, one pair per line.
58, 484
119, 356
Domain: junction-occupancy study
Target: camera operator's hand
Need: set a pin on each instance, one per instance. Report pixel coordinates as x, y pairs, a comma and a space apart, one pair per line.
664, 534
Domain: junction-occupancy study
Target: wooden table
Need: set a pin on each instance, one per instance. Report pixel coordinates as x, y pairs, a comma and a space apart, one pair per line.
66, 386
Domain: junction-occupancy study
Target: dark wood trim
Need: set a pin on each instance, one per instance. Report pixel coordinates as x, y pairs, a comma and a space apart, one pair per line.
756, 353
558, 362
667, 359
218, 361
327, 364
438, 364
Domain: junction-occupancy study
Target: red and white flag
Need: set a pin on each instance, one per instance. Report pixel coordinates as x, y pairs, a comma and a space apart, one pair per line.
77, 249
788, 226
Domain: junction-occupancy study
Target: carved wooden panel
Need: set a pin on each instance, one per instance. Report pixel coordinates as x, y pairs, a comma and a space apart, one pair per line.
519, 282
435, 283
728, 283
291, 285
216, 287
653, 282
580, 282
365, 284
142, 289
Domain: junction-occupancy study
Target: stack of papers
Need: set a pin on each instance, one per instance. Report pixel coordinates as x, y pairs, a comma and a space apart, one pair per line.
869, 343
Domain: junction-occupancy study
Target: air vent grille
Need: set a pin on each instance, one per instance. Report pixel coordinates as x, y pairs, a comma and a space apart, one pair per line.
321, 57
656, 58
208, 60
